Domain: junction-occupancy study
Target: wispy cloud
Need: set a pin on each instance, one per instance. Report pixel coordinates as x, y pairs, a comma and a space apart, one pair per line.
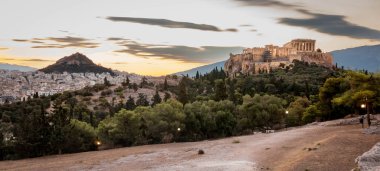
203, 54
266, 3
60, 42
3, 48
120, 63
170, 23
25, 59
333, 25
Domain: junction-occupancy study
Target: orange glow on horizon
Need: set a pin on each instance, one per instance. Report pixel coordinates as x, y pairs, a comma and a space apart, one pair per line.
151, 67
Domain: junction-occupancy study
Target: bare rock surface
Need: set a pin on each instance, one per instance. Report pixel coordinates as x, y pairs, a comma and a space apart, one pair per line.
370, 160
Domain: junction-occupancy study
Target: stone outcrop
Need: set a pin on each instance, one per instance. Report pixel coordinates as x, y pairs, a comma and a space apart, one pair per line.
264, 59
369, 161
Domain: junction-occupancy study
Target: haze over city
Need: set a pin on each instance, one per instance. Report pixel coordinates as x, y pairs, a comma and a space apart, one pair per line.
166, 36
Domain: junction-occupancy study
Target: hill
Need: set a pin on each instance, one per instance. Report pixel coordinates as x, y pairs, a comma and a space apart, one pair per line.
6, 66
363, 57
202, 69
75, 63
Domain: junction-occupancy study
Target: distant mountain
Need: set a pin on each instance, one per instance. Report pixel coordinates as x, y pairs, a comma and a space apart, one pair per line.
6, 66
202, 69
363, 57
75, 63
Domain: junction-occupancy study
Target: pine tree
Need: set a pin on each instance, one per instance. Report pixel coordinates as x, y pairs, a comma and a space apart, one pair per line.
156, 99
167, 96
144, 82
231, 91
126, 82
60, 119
106, 82
130, 104
182, 94
165, 84
220, 90
141, 100
197, 75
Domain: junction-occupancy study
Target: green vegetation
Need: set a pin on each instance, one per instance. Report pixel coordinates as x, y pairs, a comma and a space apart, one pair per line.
205, 107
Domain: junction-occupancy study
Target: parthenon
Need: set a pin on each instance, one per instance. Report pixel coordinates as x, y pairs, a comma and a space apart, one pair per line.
301, 45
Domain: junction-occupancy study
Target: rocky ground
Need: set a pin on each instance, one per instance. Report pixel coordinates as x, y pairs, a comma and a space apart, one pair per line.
332, 145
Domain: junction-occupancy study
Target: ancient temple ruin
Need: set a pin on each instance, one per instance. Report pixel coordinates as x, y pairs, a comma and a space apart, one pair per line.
264, 59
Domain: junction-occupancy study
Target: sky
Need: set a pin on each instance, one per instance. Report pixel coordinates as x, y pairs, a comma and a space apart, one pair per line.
166, 36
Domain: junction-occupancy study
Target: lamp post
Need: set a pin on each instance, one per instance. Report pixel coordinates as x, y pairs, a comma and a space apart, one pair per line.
286, 126
367, 107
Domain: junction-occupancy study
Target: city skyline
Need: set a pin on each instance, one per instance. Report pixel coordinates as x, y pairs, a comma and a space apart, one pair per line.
167, 36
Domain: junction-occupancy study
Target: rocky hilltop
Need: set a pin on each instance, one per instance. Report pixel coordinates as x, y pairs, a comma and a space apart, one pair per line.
75, 63
264, 59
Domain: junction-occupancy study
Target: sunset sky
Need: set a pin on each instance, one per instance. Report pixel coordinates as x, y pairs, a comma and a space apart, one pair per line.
159, 37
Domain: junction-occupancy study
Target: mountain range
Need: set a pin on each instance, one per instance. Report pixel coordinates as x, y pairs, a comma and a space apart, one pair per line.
6, 66
75, 63
358, 58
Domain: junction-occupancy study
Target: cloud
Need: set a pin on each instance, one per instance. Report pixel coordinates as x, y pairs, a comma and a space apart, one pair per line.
168, 23
3, 48
203, 54
25, 59
332, 25
232, 30
266, 3
60, 42
120, 63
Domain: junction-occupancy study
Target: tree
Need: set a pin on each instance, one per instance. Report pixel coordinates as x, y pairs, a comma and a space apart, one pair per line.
261, 112
197, 76
126, 82
142, 100
220, 90
130, 104
156, 99
182, 94
311, 114
296, 110
60, 119
122, 129
135, 87
166, 84
106, 82
167, 96
144, 82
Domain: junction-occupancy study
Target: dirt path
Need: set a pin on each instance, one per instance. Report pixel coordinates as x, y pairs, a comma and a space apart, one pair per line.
312, 147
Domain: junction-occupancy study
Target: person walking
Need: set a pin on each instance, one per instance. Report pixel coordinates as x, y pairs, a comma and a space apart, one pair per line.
362, 120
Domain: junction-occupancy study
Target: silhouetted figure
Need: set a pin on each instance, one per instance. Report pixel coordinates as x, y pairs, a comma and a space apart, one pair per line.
362, 121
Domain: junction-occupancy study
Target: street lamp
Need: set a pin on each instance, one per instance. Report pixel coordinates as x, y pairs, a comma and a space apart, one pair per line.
362, 106
365, 105
286, 113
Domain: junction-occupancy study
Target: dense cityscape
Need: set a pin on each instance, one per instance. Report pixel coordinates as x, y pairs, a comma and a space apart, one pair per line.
18, 86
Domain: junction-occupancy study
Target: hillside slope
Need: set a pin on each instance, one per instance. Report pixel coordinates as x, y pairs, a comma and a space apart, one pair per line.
363, 57
202, 69
6, 66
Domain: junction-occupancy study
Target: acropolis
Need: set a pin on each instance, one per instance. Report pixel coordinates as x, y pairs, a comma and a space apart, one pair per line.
264, 59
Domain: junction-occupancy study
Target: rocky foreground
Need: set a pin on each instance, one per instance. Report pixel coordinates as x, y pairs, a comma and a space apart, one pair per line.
332, 145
